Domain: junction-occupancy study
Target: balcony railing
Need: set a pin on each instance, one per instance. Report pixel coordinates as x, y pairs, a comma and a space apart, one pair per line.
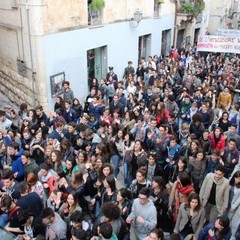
191, 7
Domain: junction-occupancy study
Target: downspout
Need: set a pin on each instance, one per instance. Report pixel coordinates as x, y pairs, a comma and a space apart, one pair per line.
175, 24
31, 54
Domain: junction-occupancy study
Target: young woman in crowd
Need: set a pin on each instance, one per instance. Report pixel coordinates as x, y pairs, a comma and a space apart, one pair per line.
191, 217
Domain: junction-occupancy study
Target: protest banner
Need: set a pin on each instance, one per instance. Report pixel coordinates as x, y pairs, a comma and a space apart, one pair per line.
210, 43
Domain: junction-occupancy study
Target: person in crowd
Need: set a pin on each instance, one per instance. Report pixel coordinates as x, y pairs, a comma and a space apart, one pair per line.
67, 92
234, 203
10, 186
29, 200
217, 229
181, 190
213, 193
143, 216
8, 205
230, 157
30, 166
56, 228
17, 165
191, 217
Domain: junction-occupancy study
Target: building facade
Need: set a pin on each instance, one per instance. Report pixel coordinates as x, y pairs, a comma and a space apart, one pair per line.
43, 42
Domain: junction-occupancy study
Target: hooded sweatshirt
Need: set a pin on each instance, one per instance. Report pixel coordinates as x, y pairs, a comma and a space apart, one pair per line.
17, 165
148, 213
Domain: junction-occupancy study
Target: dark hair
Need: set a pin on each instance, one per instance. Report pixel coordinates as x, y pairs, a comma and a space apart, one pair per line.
77, 217
112, 182
183, 160
23, 215
216, 152
160, 181
105, 229
220, 168
45, 167
101, 175
111, 210
22, 187
39, 107
47, 213
6, 201
158, 232
232, 140
15, 146
79, 233
26, 154
224, 222
85, 155
232, 179
73, 162
145, 191
184, 179
77, 180
125, 193
61, 173
191, 197
7, 174
175, 236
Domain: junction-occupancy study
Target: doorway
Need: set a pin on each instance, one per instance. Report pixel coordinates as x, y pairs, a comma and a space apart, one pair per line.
180, 37
196, 34
166, 42
97, 63
144, 46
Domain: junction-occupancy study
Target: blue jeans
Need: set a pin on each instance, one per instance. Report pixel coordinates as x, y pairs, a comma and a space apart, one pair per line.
127, 175
115, 159
3, 220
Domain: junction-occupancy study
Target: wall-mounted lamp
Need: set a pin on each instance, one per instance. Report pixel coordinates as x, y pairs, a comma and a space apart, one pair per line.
137, 17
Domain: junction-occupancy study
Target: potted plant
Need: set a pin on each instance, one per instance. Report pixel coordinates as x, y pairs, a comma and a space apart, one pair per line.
97, 4
161, 1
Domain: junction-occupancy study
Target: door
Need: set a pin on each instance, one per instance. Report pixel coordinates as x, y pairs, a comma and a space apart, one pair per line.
166, 42
180, 37
196, 34
97, 63
144, 46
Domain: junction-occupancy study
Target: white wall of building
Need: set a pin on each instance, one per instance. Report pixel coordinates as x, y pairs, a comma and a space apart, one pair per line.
67, 51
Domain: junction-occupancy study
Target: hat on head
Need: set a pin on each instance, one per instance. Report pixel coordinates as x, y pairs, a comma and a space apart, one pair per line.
54, 135
26, 119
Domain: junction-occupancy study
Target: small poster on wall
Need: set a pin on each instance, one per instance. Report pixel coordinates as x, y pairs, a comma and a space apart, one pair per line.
56, 84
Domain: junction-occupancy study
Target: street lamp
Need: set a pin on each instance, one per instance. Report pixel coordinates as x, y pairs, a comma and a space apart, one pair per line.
137, 17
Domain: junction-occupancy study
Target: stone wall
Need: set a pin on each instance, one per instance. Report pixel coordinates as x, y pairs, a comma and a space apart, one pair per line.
17, 88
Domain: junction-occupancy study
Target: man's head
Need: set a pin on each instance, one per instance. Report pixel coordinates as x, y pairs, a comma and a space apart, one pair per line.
231, 144
7, 178
39, 110
219, 172
6, 203
65, 85
25, 157
143, 195
67, 104
105, 230
2, 115
23, 188
76, 218
14, 148
110, 211
47, 216
233, 128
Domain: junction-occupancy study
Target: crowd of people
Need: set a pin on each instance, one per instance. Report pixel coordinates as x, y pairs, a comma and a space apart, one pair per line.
170, 126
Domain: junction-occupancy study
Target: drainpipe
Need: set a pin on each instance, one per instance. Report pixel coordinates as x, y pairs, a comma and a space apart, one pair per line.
175, 25
31, 53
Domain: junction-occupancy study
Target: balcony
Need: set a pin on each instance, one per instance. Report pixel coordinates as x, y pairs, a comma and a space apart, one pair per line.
187, 10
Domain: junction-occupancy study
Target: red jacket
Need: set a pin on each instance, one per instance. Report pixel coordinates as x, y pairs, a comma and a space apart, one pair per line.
220, 145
